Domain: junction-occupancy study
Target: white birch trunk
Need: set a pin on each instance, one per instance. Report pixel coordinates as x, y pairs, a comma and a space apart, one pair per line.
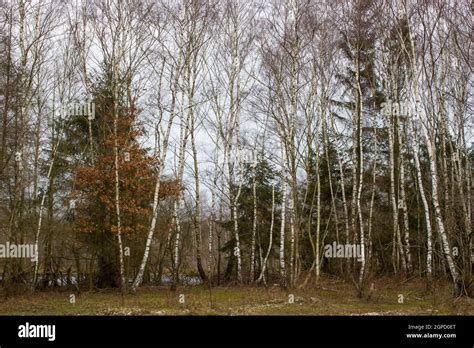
283, 215
270, 240
254, 223
40, 217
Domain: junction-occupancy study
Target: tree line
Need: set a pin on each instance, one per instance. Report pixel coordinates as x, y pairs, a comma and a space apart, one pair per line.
235, 140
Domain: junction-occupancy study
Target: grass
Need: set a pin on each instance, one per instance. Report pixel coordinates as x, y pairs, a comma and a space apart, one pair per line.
329, 297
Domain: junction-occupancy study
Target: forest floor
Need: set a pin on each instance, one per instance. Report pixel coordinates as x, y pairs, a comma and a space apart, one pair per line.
330, 297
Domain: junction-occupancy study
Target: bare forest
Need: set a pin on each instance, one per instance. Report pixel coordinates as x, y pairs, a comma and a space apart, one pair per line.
242, 144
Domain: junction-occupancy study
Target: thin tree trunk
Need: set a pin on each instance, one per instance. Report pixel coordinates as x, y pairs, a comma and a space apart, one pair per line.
283, 214
40, 216
254, 222
270, 240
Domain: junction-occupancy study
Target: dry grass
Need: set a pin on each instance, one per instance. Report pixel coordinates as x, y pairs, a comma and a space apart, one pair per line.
330, 297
